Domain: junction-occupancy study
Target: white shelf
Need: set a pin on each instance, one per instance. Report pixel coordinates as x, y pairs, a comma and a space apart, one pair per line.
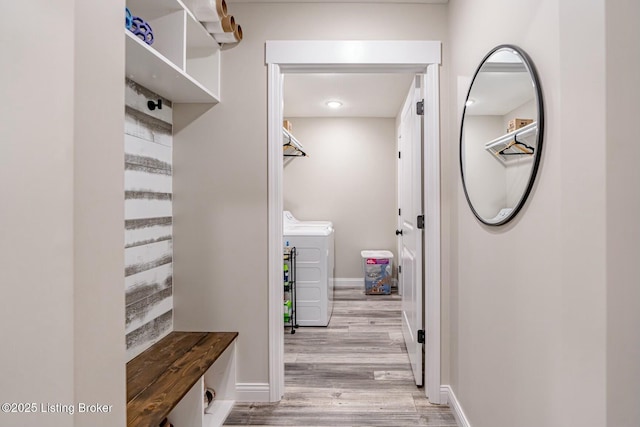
506, 143
217, 412
183, 63
191, 411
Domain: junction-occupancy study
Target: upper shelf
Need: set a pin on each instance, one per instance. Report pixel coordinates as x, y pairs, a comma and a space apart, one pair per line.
291, 147
183, 63
514, 144
150, 69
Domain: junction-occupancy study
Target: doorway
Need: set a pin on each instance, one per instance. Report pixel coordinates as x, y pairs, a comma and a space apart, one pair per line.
344, 174
354, 56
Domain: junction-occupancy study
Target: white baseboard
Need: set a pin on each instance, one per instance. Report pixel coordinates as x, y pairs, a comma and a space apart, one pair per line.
455, 406
252, 392
348, 282
444, 395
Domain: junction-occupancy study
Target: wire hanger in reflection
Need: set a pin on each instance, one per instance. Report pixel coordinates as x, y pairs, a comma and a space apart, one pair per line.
526, 149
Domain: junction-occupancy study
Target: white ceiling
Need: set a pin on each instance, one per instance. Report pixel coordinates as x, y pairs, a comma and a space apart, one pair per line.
362, 95
497, 93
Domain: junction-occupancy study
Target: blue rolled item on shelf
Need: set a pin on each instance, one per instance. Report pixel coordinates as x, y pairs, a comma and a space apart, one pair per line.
142, 29
128, 18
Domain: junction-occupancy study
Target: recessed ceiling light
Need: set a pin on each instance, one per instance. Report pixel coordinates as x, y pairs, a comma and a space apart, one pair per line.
469, 102
334, 104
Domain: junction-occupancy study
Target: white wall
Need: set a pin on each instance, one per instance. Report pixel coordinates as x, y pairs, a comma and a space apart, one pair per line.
623, 213
61, 322
220, 167
36, 248
348, 178
527, 300
485, 175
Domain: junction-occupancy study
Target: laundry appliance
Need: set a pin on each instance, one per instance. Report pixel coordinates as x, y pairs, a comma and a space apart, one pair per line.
314, 243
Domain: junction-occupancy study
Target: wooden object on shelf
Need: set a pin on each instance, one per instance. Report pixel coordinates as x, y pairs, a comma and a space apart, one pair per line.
160, 377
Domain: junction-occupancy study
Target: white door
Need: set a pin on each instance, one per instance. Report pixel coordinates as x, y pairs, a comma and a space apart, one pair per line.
410, 234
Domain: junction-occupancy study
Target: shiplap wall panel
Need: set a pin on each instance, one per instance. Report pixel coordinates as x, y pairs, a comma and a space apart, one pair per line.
146, 127
147, 230
142, 312
137, 97
147, 208
148, 219
148, 334
145, 257
144, 181
146, 283
134, 146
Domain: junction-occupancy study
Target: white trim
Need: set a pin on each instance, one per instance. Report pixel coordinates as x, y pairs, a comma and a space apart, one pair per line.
455, 406
350, 56
252, 392
431, 162
275, 207
353, 55
348, 282
444, 394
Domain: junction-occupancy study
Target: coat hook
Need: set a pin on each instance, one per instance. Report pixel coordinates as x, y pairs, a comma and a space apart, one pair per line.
153, 105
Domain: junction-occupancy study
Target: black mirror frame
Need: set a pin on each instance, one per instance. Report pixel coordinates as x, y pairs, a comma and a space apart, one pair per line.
539, 137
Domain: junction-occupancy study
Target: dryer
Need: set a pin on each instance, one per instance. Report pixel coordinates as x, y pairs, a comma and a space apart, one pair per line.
314, 243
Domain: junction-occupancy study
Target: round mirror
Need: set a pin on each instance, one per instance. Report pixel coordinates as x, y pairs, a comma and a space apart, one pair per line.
501, 135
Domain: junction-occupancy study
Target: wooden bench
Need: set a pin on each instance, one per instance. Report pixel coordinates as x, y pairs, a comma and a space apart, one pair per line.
159, 378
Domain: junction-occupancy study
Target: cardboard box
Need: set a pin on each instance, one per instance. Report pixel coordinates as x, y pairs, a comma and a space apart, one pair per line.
287, 125
515, 124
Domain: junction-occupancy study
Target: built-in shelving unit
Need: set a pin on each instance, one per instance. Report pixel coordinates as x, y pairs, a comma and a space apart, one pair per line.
183, 63
518, 144
168, 380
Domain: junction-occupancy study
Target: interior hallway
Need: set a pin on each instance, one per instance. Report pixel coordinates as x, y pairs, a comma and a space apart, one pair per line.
355, 372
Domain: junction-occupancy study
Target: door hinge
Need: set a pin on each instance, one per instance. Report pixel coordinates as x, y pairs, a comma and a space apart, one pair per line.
420, 221
399, 212
399, 269
420, 108
420, 336
399, 155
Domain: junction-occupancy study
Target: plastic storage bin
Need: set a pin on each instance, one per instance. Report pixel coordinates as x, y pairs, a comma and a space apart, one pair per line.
377, 267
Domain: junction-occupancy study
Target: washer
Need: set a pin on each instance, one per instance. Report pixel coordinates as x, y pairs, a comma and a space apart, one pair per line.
314, 243
288, 220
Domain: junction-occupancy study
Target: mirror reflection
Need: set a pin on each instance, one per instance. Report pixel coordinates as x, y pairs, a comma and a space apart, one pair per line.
501, 135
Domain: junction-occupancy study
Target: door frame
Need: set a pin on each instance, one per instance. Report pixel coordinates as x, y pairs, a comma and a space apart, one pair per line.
382, 56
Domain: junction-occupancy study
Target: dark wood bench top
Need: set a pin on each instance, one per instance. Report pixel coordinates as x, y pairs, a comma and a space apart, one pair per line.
159, 377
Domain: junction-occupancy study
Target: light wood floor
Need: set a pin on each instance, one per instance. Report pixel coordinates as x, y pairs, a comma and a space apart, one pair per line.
355, 372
